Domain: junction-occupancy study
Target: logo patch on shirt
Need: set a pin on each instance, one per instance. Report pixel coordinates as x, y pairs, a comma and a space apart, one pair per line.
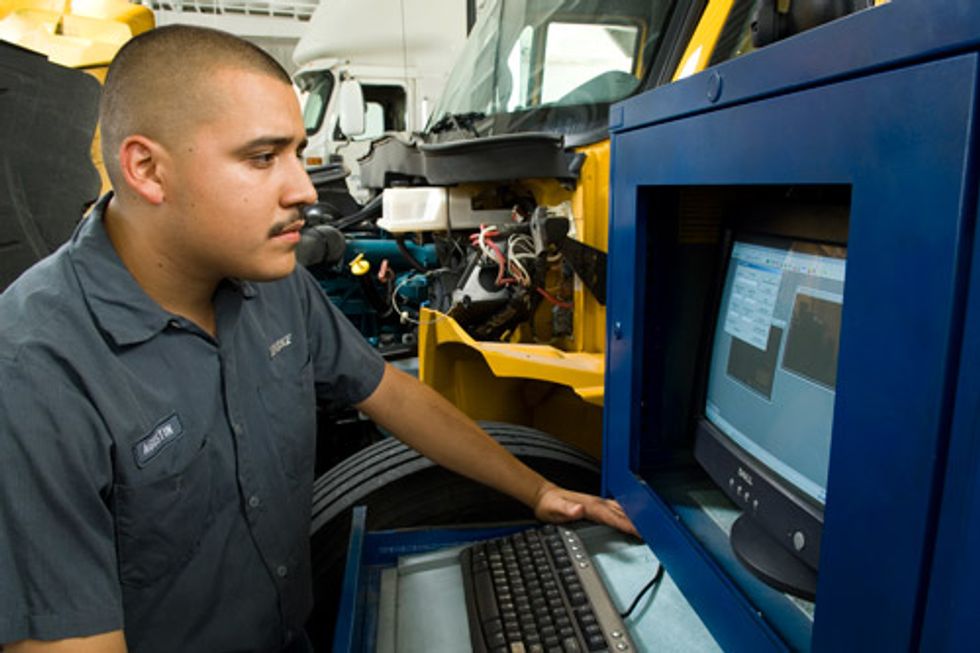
157, 440
280, 344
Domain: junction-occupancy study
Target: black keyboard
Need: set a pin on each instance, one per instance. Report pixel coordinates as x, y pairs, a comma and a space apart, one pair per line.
537, 591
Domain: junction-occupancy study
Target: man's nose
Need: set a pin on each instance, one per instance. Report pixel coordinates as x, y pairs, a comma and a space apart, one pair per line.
301, 189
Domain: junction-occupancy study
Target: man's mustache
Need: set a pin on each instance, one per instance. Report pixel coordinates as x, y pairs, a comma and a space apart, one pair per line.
293, 223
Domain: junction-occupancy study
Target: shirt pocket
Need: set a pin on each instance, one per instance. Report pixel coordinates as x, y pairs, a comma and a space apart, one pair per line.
160, 525
289, 402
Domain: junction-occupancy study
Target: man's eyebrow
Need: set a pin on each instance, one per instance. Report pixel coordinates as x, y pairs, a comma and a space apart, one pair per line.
277, 142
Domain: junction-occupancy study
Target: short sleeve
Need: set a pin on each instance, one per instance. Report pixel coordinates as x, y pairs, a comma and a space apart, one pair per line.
347, 370
57, 547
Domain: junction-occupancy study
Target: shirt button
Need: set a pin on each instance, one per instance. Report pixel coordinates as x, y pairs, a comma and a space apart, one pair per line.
282, 571
254, 501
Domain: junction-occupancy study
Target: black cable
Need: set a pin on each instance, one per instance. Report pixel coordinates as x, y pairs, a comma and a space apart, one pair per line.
370, 210
403, 248
646, 588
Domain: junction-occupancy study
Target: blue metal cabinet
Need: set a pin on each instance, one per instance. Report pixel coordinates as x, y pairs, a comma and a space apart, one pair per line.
883, 104
951, 611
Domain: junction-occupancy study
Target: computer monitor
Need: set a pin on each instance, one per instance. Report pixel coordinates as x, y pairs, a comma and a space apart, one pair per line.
764, 435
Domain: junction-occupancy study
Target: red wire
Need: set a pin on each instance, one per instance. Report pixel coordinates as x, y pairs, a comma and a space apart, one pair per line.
501, 262
554, 300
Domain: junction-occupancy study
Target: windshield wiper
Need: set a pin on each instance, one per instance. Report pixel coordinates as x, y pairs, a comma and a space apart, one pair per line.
461, 121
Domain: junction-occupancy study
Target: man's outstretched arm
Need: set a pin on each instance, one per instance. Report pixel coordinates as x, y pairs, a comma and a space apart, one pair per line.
113, 642
426, 421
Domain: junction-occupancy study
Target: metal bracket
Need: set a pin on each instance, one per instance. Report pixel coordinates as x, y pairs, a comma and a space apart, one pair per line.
589, 264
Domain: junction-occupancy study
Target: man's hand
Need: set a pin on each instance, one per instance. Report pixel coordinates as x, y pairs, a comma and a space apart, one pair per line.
557, 505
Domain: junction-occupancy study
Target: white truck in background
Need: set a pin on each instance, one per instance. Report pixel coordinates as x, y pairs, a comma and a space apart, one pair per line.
399, 53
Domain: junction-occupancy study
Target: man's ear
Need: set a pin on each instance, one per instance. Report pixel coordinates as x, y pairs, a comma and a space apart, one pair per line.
140, 162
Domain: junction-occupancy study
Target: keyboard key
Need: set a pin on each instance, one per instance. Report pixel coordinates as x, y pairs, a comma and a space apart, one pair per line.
577, 598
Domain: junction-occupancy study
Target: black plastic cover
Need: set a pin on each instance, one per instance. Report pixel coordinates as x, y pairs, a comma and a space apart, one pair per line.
490, 158
496, 158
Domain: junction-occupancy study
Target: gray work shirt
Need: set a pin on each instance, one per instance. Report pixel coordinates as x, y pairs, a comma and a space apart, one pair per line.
154, 478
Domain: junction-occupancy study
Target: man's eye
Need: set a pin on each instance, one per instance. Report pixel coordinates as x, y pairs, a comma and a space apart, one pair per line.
263, 158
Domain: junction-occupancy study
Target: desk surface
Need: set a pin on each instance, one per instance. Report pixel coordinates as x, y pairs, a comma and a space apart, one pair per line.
421, 607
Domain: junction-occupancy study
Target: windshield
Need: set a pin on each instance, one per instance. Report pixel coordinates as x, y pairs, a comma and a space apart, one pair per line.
551, 65
317, 87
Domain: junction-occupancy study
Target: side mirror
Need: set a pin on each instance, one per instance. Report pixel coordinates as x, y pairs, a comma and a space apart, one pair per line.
350, 108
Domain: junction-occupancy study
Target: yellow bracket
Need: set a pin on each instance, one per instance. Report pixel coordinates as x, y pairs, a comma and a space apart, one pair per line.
581, 372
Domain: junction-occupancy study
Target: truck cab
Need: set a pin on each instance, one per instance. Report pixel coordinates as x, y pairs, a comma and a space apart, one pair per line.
391, 69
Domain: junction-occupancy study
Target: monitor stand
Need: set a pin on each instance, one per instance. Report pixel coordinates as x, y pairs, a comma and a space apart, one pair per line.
763, 555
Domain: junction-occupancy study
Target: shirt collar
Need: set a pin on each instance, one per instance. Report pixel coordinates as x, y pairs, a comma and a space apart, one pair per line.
120, 306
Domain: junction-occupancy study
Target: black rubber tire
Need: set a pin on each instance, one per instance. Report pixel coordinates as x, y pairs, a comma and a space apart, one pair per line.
401, 489
47, 179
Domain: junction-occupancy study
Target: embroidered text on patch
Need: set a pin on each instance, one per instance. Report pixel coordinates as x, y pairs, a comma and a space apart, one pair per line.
280, 344
147, 449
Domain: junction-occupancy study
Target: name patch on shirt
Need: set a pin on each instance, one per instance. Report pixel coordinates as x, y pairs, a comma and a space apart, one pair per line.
280, 344
157, 440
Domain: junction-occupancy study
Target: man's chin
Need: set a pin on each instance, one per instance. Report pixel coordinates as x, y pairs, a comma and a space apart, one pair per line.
282, 269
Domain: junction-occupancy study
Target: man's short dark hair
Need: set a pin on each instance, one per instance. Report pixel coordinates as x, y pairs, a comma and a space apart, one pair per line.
157, 84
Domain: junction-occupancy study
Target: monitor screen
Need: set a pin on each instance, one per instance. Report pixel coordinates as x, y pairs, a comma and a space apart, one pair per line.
773, 365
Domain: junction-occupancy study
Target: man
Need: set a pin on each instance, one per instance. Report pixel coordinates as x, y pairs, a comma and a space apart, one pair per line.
159, 377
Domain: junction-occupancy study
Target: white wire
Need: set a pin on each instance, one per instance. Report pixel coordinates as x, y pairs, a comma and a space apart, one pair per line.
515, 257
403, 314
485, 249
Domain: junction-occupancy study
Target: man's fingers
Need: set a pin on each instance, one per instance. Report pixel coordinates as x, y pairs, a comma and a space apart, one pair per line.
612, 514
559, 505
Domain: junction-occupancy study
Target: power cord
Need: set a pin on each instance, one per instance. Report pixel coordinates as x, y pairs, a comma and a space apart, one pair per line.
646, 588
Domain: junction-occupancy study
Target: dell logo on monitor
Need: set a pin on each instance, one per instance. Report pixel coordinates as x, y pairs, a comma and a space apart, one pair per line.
745, 476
